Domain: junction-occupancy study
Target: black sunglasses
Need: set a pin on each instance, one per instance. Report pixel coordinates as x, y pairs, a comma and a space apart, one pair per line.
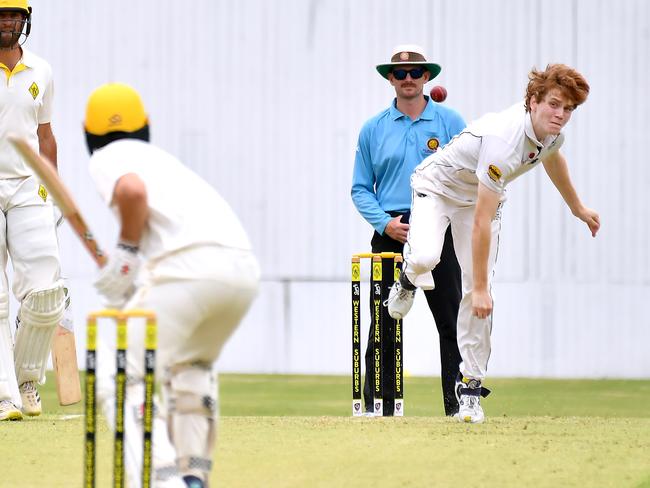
416, 73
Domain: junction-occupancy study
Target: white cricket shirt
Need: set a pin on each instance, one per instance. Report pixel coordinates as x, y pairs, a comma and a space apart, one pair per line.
185, 211
495, 149
25, 102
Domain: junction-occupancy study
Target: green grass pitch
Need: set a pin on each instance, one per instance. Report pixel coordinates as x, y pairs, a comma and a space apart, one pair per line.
296, 431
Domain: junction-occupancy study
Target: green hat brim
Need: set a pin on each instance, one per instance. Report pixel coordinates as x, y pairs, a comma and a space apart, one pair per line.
433, 68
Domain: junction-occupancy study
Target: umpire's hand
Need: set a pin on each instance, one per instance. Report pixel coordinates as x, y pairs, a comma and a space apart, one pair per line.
397, 230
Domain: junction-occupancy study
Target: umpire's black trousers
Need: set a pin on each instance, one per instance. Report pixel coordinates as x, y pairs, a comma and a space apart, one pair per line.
443, 301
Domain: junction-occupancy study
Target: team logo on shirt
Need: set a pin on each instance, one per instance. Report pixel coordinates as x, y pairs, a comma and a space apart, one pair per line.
42, 192
33, 90
433, 144
494, 173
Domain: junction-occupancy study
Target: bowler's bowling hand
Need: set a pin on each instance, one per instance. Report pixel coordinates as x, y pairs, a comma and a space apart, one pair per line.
591, 218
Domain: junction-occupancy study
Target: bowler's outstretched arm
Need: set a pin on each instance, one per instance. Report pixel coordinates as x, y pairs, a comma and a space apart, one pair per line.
557, 170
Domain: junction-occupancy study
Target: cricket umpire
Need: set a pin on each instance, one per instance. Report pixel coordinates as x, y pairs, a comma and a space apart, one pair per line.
391, 144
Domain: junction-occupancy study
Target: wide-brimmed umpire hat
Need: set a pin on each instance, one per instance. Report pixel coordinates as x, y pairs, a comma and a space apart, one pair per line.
408, 54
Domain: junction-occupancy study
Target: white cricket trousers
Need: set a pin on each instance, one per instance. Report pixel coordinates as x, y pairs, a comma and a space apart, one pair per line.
28, 237
199, 297
431, 214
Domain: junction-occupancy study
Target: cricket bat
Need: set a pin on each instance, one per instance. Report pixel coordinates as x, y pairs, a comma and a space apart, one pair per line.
61, 196
64, 352
66, 370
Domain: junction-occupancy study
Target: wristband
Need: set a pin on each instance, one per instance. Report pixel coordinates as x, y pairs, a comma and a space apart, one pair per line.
132, 248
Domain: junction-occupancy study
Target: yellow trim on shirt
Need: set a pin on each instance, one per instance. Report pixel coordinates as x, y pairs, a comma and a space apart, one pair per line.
17, 69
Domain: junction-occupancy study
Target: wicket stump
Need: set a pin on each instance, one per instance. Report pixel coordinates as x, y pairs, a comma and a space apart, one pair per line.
379, 329
121, 318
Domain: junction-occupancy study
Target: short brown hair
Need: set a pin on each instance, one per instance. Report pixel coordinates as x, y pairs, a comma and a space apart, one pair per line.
572, 84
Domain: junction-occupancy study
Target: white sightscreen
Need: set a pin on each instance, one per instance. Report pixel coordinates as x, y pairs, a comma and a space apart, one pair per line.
265, 98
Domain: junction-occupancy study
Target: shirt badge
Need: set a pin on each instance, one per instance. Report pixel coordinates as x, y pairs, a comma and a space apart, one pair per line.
433, 144
494, 173
33, 90
42, 192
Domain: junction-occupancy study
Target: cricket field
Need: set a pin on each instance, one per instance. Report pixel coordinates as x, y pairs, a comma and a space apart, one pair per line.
296, 431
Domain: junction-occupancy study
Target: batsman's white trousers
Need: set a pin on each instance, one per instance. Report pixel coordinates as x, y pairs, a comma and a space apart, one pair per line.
199, 297
431, 214
28, 236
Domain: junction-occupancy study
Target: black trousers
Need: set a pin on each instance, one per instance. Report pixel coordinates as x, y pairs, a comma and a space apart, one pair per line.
443, 301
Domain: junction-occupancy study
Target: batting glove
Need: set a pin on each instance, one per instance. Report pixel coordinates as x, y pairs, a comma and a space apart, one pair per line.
115, 281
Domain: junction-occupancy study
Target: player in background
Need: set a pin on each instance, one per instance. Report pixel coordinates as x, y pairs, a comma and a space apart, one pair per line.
181, 252
27, 228
464, 185
391, 144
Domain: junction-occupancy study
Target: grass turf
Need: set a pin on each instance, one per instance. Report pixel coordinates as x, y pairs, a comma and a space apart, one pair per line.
295, 431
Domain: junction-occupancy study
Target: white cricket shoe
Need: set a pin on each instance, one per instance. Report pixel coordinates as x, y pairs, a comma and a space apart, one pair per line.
31, 399
469, 401
400, 301
9, 411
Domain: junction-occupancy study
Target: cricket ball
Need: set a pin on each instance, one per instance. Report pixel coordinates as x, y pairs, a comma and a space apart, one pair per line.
438, 93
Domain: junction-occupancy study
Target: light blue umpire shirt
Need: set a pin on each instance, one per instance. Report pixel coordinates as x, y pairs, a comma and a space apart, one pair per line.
390, 146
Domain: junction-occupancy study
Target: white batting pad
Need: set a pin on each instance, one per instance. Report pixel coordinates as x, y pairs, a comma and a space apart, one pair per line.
8, 385
164, 456
40, 313
192, 411
166, 474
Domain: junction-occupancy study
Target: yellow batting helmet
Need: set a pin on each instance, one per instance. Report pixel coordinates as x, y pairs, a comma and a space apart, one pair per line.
114, 107
23, 7
19, 5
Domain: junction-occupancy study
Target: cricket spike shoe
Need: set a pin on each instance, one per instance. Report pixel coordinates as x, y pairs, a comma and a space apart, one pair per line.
9, 411
400, 301
31, 399
469, 393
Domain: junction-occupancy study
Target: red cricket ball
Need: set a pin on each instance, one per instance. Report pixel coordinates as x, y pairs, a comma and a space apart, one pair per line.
438, 93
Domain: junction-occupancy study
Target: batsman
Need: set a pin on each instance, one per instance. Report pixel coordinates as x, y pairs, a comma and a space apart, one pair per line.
181, 252
27, 226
